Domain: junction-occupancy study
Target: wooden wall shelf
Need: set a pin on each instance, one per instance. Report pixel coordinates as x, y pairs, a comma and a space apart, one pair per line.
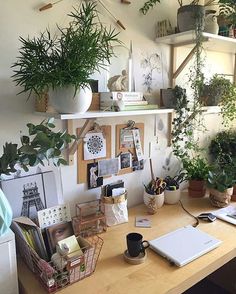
212, 42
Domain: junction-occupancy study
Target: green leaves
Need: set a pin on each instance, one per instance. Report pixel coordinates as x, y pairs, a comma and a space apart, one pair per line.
148, 5
42, 143
70, 58
220, 179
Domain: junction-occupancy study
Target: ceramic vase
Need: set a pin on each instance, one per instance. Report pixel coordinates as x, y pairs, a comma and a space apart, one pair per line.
153, 202
5, 214
220, 199
65, 100
172, 197
189, 15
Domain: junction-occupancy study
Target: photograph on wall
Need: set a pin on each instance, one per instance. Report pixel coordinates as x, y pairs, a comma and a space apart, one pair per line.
108, 167
138, 165
126, 139
94, 146
94, 180
125, 160
29, 194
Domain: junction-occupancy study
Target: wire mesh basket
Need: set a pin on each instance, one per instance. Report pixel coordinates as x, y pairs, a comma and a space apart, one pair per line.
68, 270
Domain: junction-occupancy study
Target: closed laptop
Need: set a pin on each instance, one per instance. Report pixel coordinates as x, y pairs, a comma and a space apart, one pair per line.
184, 245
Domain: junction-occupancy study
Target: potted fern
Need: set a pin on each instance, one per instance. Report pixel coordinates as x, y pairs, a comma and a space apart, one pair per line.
64, 64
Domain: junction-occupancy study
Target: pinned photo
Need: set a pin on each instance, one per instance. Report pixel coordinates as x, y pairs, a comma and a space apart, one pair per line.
125, 160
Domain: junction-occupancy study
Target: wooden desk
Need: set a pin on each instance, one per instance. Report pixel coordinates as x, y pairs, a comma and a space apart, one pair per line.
113, 275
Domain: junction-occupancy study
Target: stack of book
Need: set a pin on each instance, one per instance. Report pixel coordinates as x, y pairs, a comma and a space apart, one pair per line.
124, 101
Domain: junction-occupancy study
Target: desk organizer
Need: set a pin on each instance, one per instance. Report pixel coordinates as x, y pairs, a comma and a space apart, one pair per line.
76, 269
89, 219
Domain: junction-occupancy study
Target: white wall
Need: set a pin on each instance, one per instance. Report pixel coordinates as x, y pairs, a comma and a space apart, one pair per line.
22, 18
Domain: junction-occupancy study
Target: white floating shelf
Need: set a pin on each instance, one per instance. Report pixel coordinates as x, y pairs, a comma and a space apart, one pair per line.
103, 114
212, 42
211, 109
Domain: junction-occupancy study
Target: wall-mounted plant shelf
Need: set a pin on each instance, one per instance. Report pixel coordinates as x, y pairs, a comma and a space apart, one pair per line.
211, 42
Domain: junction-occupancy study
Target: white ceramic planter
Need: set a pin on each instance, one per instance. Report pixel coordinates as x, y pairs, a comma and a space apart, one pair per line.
172, 197
153, 202
64, 100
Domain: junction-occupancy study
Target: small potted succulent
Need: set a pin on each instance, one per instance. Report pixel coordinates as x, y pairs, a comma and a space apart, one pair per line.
154, 194
172, 190
220, 182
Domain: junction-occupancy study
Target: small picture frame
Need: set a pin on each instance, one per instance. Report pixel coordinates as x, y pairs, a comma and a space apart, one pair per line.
125, 160
57, 233
94, 180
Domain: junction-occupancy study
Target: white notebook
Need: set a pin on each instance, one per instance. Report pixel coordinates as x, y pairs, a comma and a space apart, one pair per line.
184, 245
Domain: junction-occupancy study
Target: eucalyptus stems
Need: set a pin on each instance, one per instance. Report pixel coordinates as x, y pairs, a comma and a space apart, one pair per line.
41, 144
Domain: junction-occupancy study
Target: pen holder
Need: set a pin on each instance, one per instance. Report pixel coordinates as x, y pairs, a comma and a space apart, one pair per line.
153, 202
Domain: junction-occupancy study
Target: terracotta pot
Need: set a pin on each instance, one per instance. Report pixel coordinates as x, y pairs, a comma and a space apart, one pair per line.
153, 202
220, 199
196, 188
172, 197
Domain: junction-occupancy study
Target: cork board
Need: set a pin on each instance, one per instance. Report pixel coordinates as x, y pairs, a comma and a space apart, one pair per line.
121, 149
82, 164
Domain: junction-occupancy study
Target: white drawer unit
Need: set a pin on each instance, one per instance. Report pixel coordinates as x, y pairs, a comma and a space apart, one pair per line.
8, 267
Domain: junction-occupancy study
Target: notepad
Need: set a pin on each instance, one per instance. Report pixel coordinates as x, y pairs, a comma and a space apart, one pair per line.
71, 246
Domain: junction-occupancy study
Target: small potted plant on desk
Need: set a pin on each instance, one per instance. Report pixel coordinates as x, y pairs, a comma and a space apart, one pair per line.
197, 169
172, 190
220, 182
154, 194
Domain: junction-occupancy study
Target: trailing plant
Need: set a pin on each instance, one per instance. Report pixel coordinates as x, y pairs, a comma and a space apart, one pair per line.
151, 3
70, 58
214, 89
228, 104
222, 148
42, 143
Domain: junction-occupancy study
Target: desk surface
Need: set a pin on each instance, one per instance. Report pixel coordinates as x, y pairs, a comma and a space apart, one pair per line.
113, 275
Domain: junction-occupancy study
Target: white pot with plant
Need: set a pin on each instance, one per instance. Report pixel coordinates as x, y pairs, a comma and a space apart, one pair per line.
64, 64
172, 191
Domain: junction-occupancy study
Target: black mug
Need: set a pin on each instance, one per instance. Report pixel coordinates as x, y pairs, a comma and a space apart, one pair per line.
135, 245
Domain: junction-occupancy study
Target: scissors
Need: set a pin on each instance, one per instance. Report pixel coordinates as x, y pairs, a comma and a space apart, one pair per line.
160, 185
